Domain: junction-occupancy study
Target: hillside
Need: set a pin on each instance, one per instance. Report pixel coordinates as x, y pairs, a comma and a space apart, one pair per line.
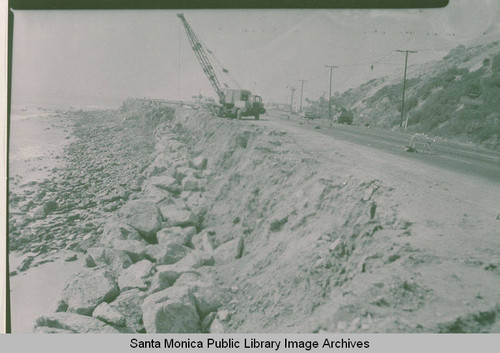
454, 98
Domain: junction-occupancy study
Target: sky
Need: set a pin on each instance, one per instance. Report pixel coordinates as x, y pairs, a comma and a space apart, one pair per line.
103, 56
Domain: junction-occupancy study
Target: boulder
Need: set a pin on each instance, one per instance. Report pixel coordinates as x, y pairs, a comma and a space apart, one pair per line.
88, 289
154, 194
224, 315
190, 184
106, 313
176, 235
166, 183
229, 251
136, 250
143, 216
45, 329
160, 164
115, 259
74, 323
168, 254
178, 218
199, 163
129, 304
171, 310
135, 275
115, 230
97, 254
60, 306
158, 282
203, 242
182, 172
207, 321
206, 296
196, 202
217, 326
171, 273
196, 259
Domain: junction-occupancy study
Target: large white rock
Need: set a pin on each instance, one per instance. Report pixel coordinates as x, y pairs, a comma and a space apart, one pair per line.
199, 163
229, 251
196, 202
168, 254
88, 289
171, 273
115, 229
158, 282
177, 217
197, 259
115, 259
207, 297
160, 164
217, 326
129, 304
135, 275
203, 242
190, 184
177, 235
106, 313
165, 182
136, 250
143, 216
170, 311
74, 323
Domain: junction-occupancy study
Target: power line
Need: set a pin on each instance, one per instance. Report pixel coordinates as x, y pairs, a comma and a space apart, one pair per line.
179, 67
404, 85
301, 91
330, 95
292, 88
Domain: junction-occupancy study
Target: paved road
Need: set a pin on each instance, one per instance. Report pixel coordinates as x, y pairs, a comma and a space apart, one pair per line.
452, 156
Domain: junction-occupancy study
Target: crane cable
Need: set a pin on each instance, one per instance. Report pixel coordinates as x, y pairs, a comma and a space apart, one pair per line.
222, 70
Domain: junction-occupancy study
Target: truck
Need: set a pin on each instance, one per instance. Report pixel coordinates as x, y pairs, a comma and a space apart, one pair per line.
233, 102
345, 117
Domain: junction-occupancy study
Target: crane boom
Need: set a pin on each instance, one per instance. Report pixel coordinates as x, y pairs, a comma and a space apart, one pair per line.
202, 57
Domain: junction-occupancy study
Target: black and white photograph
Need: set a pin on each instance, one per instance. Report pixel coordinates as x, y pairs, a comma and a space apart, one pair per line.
255, 170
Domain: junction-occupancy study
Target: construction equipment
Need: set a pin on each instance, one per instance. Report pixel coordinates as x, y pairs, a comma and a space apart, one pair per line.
233, 103
345, 116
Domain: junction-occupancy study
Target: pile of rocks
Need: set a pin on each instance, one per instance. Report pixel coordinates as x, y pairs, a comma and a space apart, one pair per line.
152, 269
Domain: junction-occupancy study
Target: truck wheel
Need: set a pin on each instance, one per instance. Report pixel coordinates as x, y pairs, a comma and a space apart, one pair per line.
238, 114
257, 116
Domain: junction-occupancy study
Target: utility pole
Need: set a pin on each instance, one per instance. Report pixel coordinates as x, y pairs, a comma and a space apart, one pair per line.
404, 86
301, 91
292, 88
330, 95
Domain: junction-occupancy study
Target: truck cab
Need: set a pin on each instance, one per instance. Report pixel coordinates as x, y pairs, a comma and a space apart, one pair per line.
240, 102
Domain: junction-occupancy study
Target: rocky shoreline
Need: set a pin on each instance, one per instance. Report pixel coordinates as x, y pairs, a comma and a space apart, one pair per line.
176, 221
131, 224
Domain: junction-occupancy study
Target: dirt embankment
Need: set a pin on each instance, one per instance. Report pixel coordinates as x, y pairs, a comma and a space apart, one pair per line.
240, 226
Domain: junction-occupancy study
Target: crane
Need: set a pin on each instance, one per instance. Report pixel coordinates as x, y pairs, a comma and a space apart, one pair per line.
201, 55
232, 102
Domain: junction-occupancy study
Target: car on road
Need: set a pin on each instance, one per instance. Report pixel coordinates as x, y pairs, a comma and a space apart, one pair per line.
309, 114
